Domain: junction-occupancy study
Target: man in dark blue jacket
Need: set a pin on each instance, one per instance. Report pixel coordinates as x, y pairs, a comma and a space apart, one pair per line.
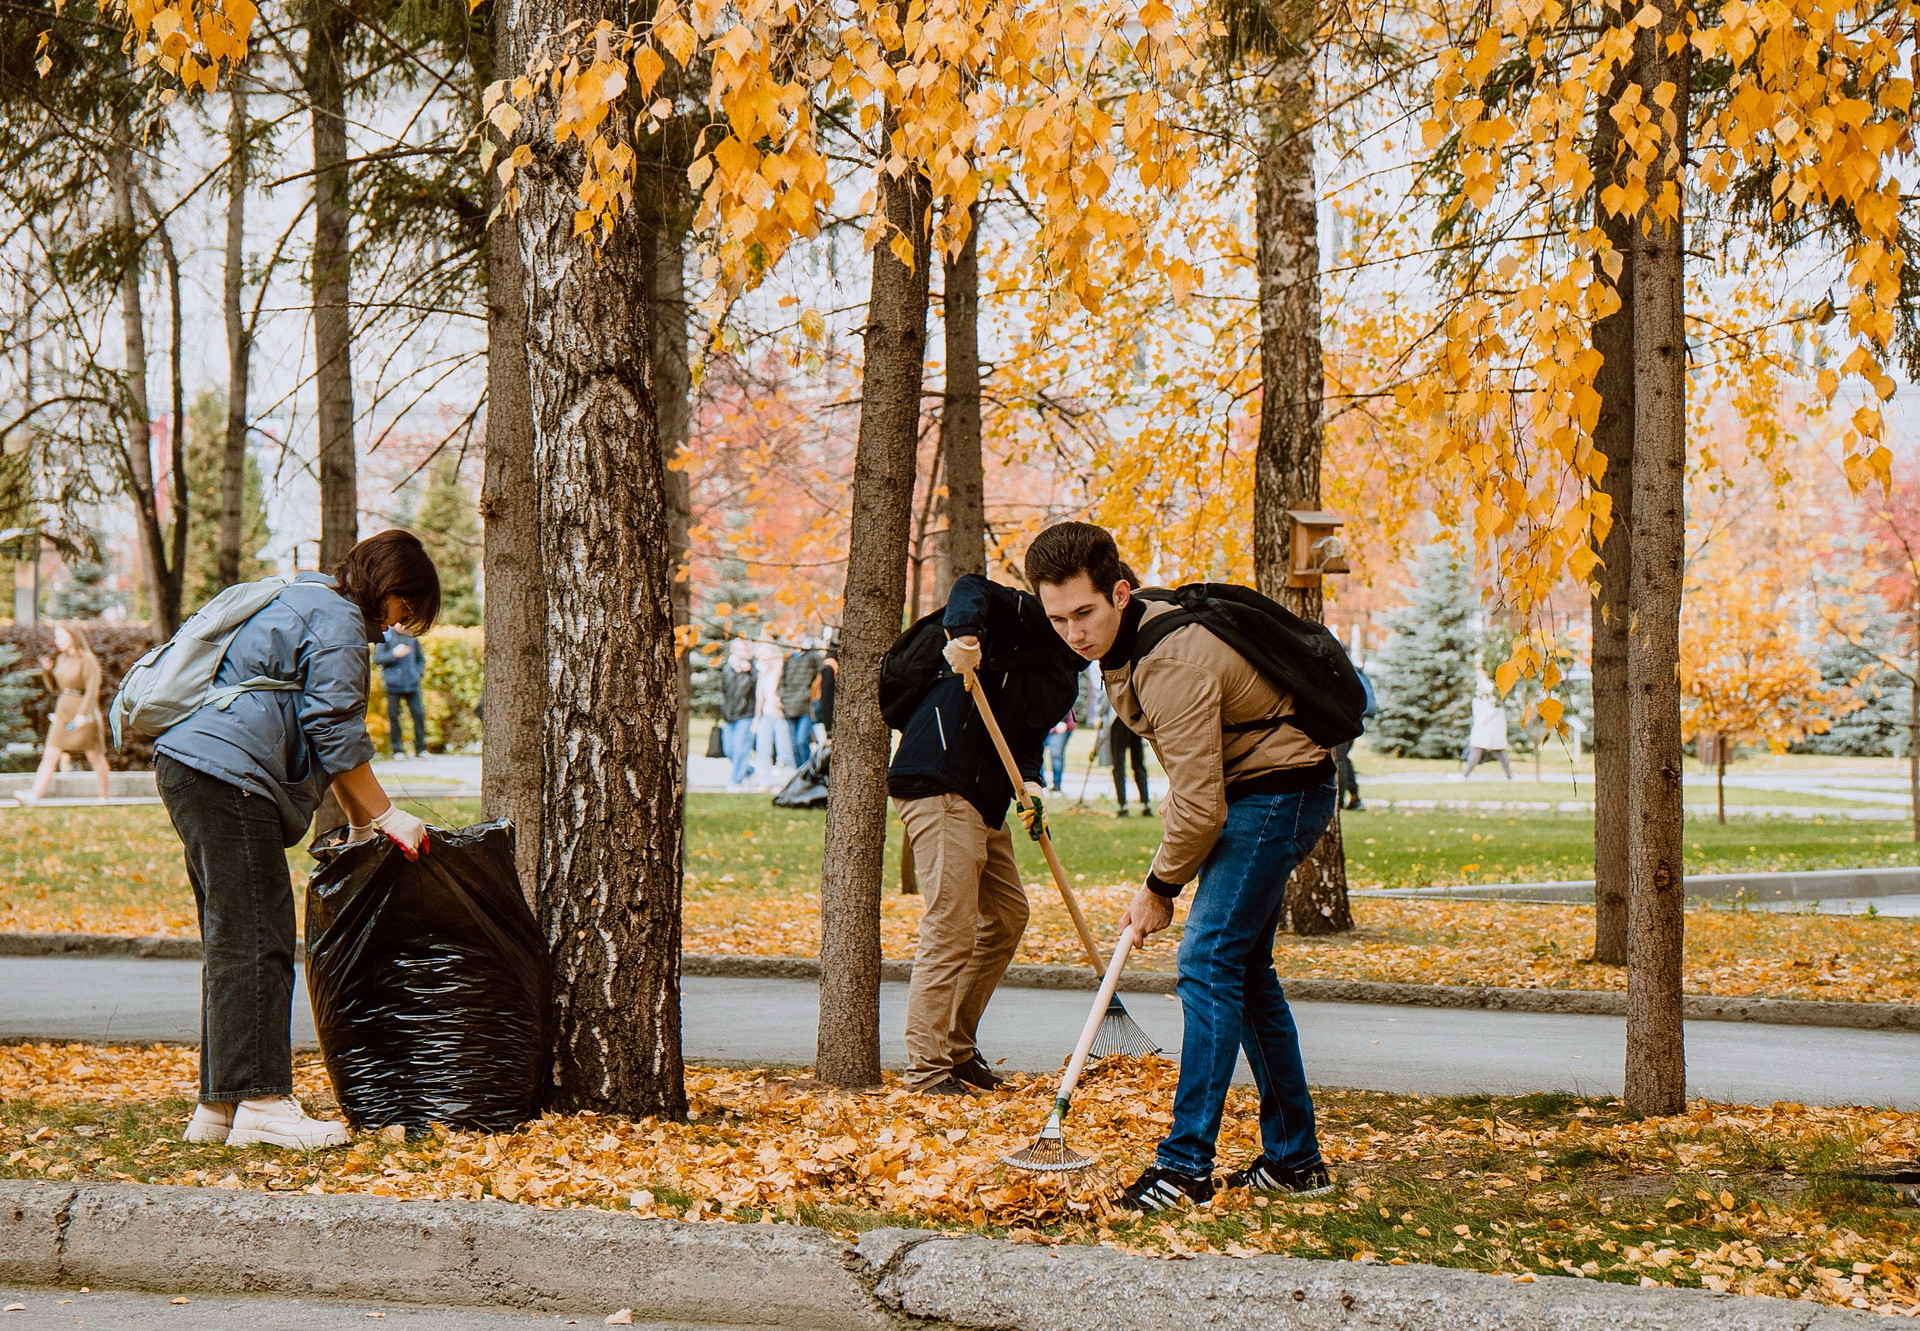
401, 669
951, 789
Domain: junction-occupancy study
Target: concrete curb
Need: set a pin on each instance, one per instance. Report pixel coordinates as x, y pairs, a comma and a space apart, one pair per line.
499, 1254
1784, 885
972, 1282
1565, 1002
462, 1253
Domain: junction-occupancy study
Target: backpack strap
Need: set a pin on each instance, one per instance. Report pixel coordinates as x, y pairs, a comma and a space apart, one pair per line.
222, 699
1150, 634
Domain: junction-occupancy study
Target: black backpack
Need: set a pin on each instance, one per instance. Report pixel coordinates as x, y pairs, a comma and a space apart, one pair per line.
916, 662
910, 668
1295, 655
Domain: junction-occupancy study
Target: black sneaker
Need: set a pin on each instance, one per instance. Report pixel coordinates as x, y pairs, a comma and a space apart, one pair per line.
1265, 1176
1146, 811
1160, 1188
948, 1085
975, 1072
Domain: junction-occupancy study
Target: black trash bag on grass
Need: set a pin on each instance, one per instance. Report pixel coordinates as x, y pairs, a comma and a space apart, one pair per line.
430, 982
807, 788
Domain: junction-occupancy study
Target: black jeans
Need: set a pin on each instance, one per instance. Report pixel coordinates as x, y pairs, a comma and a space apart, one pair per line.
415, 704
238, 868
1347, 783
1124, 744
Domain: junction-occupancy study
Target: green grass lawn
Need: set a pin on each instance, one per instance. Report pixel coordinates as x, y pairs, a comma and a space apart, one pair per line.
1524, 789
1403, 848
85, 867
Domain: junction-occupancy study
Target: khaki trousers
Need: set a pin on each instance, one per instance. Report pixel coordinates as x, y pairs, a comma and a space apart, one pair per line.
976, 911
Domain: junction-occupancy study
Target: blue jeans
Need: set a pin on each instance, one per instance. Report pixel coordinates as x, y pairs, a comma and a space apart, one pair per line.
772, 745
1230, 996
802, 739
736, 741
1057, 750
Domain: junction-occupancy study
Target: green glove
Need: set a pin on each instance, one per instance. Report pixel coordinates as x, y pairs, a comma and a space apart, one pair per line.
1034, 815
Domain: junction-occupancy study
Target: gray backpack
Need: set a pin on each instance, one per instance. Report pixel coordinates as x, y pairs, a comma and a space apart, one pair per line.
175, 679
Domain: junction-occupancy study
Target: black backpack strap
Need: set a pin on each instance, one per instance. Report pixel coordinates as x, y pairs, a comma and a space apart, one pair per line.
1151, 633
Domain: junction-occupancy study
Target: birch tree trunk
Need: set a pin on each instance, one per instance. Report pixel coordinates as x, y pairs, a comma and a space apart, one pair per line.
963, 543
330, 281
138, 411
1656, 1051
613, 786
885, 461
666, 258
1286, 468
233, 459
1613, 437
516, 617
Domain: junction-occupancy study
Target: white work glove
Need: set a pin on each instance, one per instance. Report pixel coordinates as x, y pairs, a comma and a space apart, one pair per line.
357, 832
404, 830
963, 654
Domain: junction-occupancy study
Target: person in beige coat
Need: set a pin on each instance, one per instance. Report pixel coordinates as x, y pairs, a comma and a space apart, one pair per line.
1248, 796
78, 724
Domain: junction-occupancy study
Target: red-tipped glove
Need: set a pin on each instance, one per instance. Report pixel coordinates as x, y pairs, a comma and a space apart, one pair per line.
404, 830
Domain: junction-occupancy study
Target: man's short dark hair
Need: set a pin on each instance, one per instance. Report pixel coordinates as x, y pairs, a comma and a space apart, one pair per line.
1065, 550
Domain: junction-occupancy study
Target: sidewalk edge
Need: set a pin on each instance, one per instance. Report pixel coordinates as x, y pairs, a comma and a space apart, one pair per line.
752, 1275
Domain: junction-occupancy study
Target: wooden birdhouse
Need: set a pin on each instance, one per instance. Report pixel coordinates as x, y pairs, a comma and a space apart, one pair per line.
1315, 545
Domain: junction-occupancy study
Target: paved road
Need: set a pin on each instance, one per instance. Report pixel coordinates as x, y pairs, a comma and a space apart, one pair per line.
1346, 1044
48, 1309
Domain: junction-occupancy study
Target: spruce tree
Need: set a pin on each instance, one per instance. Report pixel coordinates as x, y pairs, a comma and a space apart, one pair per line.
206, 452
85, 593
17, 688
1425, 677
1878, 727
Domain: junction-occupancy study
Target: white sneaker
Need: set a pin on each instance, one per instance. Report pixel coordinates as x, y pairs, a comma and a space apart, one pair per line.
26, 799
280, 1121
209, 1125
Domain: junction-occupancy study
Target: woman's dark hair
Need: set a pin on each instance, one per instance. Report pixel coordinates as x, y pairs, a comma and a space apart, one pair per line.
1065, 550
393, 563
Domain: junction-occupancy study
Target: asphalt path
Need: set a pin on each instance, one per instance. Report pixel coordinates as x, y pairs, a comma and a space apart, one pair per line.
62, 1309
1372, 1046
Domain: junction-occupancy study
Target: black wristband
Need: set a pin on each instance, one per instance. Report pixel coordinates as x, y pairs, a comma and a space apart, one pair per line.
1160, 887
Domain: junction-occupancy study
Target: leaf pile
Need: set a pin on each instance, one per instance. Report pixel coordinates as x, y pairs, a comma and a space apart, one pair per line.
1753, 1200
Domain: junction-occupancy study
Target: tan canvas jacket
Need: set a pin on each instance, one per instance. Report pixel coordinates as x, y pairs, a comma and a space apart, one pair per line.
1188, 688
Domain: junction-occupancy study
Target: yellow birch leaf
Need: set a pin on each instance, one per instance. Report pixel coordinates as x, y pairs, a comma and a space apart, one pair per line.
648, 66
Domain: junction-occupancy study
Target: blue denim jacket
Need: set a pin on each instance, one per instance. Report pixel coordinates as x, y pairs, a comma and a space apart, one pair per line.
287, 746
401, 674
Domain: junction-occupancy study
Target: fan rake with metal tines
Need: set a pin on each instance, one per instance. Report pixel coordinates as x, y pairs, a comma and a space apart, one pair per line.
1050, 1153
1119, 1033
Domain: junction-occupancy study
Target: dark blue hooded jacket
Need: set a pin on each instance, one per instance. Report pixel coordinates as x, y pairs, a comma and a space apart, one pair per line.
1031, 679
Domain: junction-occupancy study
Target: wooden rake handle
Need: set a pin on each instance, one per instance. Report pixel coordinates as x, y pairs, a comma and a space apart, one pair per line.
1046, 841
1083, 1050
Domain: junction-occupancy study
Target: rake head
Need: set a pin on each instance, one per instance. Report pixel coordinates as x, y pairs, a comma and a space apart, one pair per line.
1119, 1033
1049, 1154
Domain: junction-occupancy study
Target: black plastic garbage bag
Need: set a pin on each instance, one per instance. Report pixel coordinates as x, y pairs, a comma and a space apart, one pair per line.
430, 982
807, 788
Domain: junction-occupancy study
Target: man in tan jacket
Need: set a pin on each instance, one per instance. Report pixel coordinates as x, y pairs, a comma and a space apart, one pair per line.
1248, 797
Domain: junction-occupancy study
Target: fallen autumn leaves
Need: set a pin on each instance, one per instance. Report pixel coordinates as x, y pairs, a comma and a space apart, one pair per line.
1751, 1200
